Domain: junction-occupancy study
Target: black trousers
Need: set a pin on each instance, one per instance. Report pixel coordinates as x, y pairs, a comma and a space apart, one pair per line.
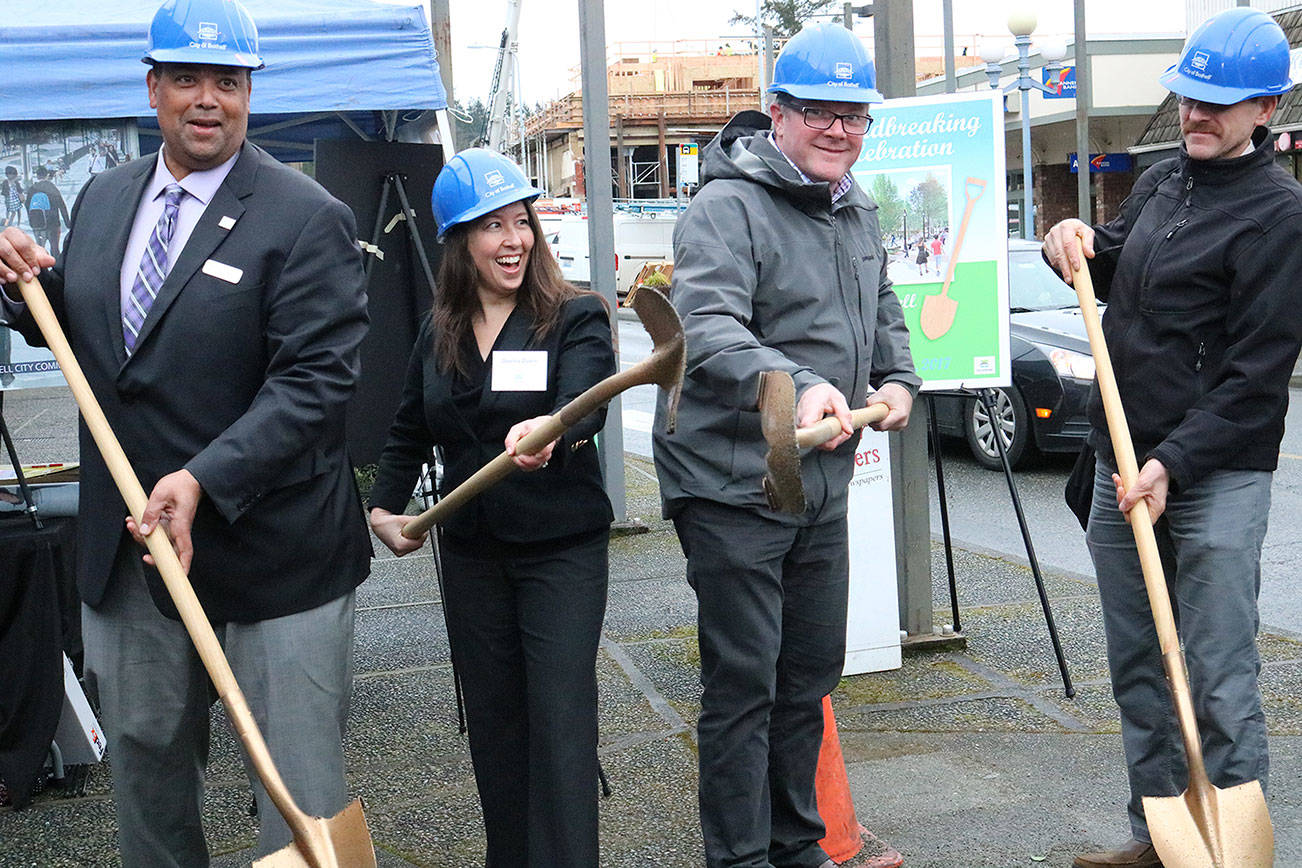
771, 613
524, 631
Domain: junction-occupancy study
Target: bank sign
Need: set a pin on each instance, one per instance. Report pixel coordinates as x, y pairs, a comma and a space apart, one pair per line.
1060, 82
1103, 163
935, 167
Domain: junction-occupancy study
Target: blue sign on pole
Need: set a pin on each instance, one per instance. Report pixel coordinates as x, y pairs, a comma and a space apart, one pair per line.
1104, 163
1061, 82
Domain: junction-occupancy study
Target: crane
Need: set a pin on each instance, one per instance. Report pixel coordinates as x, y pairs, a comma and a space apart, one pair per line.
504, 79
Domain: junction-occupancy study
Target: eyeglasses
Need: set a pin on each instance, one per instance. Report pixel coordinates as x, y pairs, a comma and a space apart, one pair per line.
821, 119
1210, 107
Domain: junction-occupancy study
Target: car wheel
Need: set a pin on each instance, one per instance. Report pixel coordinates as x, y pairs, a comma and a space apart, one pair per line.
1010, 421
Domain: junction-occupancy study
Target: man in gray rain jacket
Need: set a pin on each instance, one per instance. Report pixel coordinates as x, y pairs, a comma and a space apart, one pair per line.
779, 265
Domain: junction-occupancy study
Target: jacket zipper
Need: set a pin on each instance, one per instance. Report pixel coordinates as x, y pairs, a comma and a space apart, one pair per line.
840, 284
1152, 253
858, 285
1202, 353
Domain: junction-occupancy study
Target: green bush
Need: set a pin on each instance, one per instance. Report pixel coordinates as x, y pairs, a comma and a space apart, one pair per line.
365, 477
656, 280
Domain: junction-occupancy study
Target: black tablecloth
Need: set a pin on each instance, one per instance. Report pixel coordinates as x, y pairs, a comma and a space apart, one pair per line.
36, 575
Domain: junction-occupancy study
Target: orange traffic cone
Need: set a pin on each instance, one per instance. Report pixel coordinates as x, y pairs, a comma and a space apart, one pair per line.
835, 806
845, 837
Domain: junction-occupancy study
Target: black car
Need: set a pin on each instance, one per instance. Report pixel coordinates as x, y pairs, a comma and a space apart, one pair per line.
1052, 370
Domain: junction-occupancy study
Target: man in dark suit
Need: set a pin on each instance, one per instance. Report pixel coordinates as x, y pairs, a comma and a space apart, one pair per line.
215, 300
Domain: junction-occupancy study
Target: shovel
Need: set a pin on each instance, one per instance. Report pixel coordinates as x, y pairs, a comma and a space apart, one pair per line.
1205, 826
777, 405
664, 367
343, 841
937, 314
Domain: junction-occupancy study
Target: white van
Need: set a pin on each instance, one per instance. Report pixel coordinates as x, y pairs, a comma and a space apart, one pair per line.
639, 239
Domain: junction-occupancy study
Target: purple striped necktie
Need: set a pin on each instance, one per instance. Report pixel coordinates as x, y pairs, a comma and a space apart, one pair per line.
152, 270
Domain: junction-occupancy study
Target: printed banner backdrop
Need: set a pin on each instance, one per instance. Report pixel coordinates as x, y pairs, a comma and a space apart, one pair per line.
53, 161
935, 167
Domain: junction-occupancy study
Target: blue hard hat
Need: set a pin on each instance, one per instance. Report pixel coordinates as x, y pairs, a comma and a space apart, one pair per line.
475, 182
1232, 56
218, 32
827, 62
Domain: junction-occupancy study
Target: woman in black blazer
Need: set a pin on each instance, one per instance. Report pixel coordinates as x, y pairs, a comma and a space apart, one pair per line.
525, 563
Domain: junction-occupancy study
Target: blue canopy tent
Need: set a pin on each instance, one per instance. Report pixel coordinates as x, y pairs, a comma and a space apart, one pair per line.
335, 68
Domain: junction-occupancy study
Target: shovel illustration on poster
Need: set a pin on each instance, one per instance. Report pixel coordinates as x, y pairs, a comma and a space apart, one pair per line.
938, 311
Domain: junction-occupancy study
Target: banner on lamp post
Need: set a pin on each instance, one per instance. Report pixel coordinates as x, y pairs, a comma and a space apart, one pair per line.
1061, 82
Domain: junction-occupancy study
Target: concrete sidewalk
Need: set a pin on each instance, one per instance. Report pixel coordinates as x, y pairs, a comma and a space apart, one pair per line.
969, 759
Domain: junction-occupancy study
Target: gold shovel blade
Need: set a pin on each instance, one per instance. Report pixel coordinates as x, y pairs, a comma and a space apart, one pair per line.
345, 836
1241, 835
937, 316
777, 404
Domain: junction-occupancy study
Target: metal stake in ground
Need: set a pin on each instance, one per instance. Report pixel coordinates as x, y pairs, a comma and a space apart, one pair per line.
342, 841
1204, 826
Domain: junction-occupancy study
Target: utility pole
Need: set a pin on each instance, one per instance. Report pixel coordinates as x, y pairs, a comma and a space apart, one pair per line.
601, 220
897, 77
440, 13
897, 72
951, 71
1083, 83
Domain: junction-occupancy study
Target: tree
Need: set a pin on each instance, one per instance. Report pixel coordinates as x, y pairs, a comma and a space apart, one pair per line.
929, 201
469, 123
785, 16
890, 207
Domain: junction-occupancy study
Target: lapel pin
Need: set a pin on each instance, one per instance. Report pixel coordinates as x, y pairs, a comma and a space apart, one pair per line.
226, 222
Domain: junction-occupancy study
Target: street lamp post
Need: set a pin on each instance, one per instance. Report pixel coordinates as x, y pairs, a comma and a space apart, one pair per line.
1021, 23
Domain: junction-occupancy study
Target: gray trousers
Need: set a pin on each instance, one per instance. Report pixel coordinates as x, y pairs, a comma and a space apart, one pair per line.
1210, 541
295, 671
771, 608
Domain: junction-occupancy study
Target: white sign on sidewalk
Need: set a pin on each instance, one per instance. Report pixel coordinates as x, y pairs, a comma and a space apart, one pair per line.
872, 631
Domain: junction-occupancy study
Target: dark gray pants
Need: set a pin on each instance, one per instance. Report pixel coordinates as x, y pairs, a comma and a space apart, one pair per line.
296, 673
524, 633
1210, 542
771, 613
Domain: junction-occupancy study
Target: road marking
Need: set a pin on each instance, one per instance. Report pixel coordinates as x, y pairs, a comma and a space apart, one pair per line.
1290, 455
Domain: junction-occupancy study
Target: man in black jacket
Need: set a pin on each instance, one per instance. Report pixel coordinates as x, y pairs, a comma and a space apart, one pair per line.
1203, 327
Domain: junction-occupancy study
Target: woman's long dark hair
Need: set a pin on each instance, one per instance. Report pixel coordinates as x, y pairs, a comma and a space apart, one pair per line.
542, 293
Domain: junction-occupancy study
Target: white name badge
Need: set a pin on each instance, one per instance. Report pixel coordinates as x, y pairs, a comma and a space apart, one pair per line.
519, 371
222, 271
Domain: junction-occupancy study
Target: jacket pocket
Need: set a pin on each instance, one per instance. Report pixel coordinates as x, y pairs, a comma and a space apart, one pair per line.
748, 448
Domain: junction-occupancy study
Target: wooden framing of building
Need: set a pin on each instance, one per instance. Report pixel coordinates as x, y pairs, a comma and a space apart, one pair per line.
656, 104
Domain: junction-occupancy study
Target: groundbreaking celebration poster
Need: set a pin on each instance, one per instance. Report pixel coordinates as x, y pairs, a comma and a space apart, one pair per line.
935, 167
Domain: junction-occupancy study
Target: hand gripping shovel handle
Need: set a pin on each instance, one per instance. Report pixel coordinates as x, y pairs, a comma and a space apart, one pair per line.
502, 466
828, 427
664, 367
1142, 527
178, 584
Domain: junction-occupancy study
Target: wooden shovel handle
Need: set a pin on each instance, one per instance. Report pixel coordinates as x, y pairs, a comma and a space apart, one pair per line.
980, 185
652, 369
1141, 525
178, 584
827, 428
